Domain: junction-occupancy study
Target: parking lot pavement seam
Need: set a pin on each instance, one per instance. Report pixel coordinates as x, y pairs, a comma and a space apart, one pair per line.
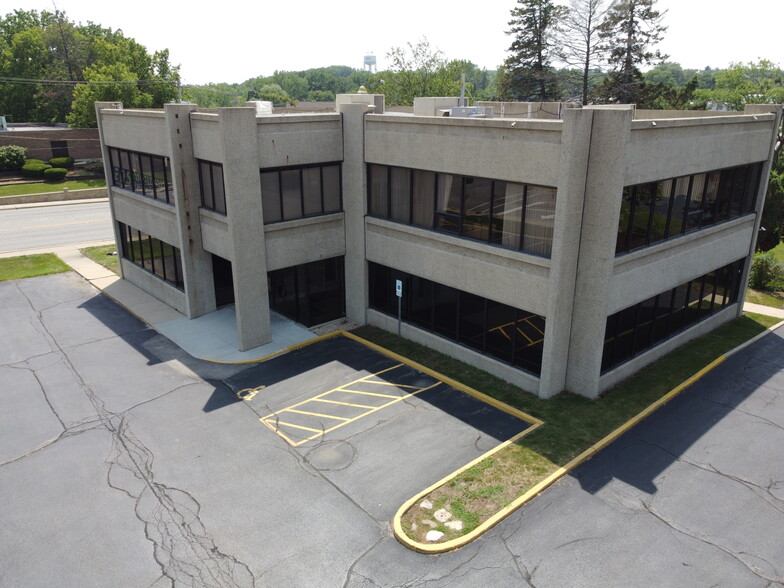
433, 548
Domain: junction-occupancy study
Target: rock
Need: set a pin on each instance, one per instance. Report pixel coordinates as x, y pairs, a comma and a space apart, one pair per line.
429, 523
426, 504
455, 525
442, 515
414, 526
434, 536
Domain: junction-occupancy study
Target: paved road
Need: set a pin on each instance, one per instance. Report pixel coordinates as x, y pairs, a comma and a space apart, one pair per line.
124, 462
52, 225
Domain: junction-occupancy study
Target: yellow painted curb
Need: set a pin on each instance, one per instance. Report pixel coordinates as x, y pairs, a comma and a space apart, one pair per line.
538, 488
294, 347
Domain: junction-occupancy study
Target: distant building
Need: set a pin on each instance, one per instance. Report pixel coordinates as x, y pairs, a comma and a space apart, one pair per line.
557, 254
47, 141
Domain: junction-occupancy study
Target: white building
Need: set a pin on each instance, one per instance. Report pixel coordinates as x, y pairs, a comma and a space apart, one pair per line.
557, 254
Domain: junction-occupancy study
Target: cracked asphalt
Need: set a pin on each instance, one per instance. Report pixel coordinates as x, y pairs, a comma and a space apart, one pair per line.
125, 462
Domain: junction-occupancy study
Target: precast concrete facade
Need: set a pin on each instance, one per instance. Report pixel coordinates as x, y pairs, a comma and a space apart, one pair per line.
558, 254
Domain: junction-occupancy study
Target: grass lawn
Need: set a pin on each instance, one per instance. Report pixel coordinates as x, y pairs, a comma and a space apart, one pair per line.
100, 254
27, 266
774, 299
45, 187
571, 423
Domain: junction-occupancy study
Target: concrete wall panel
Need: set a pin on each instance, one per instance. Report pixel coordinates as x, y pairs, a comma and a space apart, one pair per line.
302, 241
522, 151
665, 266
675, 148
505, 276
147, 215
299, 139
215, 234
137, 130
155, 286
206, 137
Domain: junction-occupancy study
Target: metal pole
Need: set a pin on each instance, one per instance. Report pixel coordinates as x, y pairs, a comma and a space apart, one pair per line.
399, 313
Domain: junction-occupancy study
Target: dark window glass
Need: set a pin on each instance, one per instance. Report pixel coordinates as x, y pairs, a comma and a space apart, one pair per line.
218, 188
400, 195
476, 208
381, 288
508, 201
423, 198
445, 311
661, 211
471, 328
379, 191
291, 190
330, 183
624, 222
422, 302
680, 206
213, 193
641, 215
152, 254
270, 197
311, 191
205, 180
710, 198
642, 326
501, 331
539, 220
145, 174
529, 341
448, 203
311, 294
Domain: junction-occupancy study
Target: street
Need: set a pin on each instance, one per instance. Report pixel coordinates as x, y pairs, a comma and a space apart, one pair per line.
33, 227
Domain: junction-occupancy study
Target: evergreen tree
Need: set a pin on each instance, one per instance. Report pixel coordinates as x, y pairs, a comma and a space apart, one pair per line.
527, 74
629, 32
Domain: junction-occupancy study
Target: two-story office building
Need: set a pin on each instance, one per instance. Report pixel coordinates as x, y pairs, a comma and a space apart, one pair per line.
557, 254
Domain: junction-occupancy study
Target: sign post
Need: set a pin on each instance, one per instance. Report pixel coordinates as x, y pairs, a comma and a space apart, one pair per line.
399, 294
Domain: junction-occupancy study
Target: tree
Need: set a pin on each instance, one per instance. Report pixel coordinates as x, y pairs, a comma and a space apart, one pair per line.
106, 83
579, 40
419, 70
527, 74
629, 31
746, 83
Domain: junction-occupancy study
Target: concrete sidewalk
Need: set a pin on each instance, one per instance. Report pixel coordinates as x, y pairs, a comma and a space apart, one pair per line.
211, 337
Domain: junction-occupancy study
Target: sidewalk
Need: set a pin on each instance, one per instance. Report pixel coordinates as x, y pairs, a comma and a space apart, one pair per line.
212, 337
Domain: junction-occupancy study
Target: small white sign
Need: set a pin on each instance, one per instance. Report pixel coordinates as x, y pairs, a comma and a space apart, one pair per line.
399, 288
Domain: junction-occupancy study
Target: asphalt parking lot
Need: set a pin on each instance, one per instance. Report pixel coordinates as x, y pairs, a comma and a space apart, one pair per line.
125, 462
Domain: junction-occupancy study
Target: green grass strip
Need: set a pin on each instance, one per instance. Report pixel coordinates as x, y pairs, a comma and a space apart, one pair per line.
47, 187
28, 266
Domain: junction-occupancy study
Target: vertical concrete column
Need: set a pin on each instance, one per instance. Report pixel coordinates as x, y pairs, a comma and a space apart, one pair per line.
196, 263
246, 225
610, 134
355, 209
107, 170
762, 191
573, 166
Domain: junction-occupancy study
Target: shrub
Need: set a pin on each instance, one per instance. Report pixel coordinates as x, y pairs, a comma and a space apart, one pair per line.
66, 162
12, 157
34, 170
320, 96
35, 161
94, 168
55, 174
767, 272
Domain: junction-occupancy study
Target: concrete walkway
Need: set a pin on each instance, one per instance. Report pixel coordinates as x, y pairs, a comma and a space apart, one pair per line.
212, 336
761, 309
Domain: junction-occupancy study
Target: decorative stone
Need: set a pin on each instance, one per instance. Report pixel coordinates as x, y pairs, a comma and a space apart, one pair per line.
414, 526
434, 536
455, 525
426, 504
442, 515
429, 523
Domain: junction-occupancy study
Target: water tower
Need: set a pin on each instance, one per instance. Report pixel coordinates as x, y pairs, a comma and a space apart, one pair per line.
370, 63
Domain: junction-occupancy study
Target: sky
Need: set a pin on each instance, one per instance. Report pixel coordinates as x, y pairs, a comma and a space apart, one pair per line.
232, 43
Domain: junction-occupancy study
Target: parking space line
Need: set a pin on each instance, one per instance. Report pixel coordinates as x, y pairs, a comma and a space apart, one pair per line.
273, 422
368, 393
318, 414
343, 403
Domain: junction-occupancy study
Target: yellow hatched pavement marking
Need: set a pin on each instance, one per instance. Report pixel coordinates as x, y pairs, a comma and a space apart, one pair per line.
273, 420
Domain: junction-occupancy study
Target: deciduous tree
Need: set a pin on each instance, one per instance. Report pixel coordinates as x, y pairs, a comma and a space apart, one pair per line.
578, 40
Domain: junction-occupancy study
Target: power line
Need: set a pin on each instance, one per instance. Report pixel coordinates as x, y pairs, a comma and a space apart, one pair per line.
9, 80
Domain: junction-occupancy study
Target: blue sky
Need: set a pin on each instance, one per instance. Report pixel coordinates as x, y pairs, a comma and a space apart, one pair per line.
237, 41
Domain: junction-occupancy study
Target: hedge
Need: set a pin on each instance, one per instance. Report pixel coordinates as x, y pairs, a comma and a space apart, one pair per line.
35, 170
55, 174
12, 157
66, 162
